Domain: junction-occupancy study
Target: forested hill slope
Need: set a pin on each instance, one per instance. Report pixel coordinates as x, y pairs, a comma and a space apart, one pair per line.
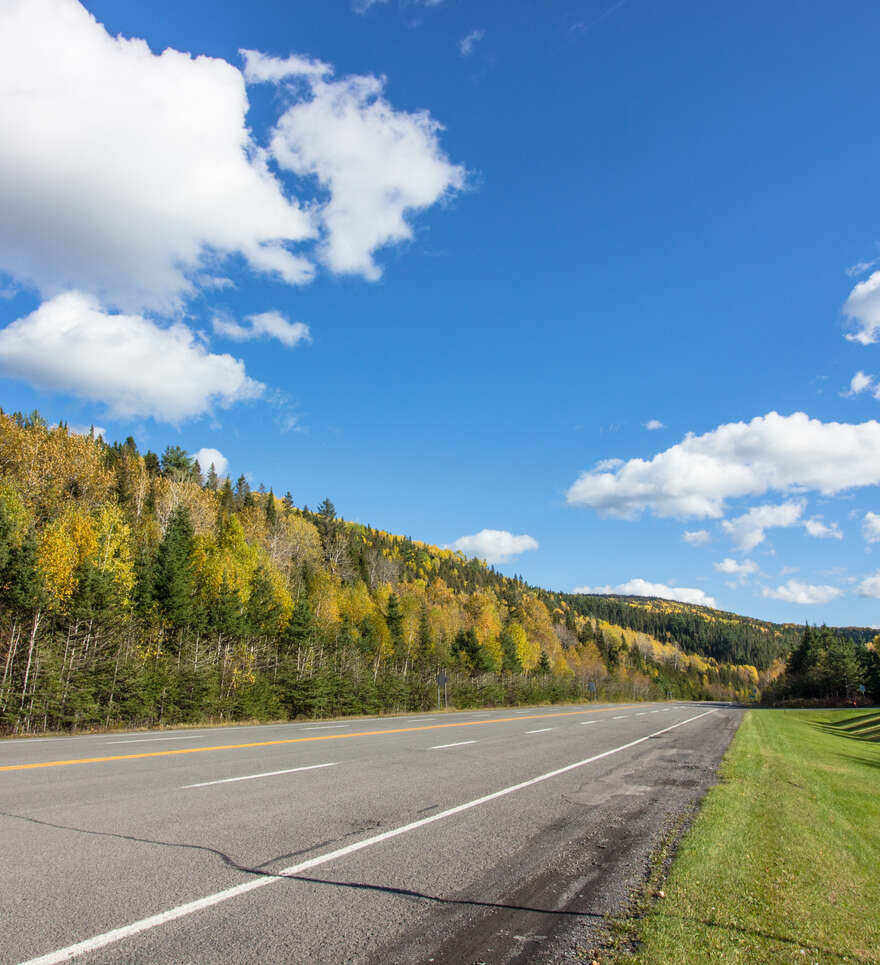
726, 637
136, 589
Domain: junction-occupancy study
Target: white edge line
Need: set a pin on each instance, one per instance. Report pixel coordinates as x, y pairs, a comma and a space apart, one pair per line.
439, 747
146, 740
252, 777
181, 911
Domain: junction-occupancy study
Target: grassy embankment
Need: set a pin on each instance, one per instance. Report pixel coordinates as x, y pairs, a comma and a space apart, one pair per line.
782, 863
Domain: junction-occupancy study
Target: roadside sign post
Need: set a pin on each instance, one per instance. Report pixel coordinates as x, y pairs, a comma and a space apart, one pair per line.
442, 680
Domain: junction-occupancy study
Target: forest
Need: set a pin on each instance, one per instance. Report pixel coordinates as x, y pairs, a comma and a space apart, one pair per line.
142, 590
829, 667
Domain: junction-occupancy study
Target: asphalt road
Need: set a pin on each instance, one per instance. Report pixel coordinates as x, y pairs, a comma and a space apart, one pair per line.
473, 837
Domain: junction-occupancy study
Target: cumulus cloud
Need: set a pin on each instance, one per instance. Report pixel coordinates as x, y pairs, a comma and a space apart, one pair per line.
466, 44
131, 169
871, 527
653, 424
862, 308
128, 362
733, 568
815, 527
796, 592
870, 586
697, 537
772, 452
639, 587
208, 457
263, 325
495, 545
378, 165
859, 383
136, 174
747, 531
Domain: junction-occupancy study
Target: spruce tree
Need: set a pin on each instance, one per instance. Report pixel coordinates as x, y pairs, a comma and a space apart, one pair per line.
172, 588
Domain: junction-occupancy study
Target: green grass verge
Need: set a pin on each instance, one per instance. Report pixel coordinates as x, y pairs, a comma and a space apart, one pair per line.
782, 863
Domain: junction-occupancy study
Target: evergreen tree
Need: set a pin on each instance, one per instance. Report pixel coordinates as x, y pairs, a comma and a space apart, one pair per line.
176, 463
242, 492
227, 498
173, 579
271, 510
510, 662
327, 510
151, 463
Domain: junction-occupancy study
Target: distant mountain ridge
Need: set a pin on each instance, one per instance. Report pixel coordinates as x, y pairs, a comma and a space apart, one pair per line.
725, 636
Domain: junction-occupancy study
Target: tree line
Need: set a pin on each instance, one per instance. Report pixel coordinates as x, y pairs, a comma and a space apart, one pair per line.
145, 589
828, 667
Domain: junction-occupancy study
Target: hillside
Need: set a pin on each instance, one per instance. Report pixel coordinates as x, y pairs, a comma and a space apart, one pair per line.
136, 589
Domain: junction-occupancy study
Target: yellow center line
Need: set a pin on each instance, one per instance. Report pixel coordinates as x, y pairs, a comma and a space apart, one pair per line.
304, 740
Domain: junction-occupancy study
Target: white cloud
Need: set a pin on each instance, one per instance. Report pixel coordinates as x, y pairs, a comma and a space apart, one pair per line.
653, 424
863, 308
260, 68
362, 6
136, 174
495, 545
859, 383
772, 452
263, 325
639, 587
131, 364
378, 164
733, 568
794, 591
208, 457
871, 527
131, 170
861, 267
697, 537
747, 531
466, 44
870, 586
815, 527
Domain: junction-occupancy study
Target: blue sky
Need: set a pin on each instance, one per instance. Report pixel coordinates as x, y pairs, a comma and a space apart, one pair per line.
452, 257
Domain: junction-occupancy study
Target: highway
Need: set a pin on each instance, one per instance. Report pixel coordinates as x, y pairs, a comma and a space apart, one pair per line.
491, 836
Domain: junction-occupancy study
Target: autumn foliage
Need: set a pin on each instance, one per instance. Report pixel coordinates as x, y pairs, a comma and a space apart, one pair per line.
141, 591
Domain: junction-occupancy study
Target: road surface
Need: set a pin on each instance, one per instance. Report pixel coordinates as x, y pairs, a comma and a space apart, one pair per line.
493, 836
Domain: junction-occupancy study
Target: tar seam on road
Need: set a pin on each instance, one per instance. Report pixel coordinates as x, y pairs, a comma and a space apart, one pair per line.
181, 911
293, 740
